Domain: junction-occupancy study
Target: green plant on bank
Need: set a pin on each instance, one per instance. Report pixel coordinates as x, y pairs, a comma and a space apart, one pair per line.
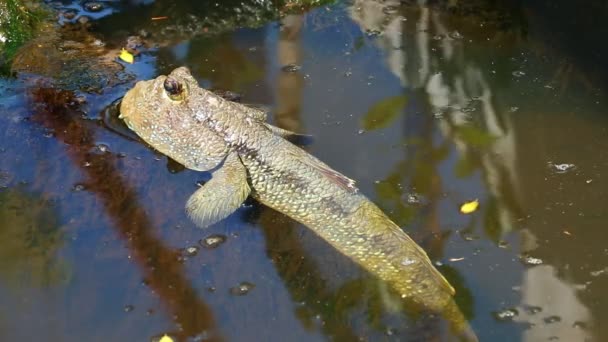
17, 24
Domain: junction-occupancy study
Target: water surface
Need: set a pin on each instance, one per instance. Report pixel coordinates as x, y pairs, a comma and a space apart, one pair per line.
426, 107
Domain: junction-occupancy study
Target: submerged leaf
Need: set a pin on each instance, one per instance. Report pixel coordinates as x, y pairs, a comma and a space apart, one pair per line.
475, 136
469, 207
384, 112
126, 56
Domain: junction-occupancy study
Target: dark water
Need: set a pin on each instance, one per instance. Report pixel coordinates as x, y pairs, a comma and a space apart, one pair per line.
426, 107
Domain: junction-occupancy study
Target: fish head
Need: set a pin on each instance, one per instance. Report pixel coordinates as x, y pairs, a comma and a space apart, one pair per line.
166, 113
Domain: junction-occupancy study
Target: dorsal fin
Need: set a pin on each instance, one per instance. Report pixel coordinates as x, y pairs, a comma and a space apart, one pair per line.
333, 175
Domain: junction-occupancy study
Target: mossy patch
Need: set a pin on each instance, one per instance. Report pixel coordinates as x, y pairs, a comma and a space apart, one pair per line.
18, 22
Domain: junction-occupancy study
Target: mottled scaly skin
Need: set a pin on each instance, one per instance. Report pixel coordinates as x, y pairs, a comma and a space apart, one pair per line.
288, 179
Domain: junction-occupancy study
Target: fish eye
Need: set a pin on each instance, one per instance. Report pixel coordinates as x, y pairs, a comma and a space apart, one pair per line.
174, 89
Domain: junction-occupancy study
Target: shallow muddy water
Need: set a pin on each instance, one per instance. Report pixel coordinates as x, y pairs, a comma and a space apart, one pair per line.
427, 107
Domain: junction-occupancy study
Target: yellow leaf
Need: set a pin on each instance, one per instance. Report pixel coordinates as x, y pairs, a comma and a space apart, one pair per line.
165, 338
127, 57
469, 207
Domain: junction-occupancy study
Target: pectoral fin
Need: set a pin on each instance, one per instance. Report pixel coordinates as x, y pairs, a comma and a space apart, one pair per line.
296, 138
222, 195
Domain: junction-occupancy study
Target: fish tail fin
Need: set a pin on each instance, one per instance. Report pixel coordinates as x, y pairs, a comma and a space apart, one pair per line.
459, 325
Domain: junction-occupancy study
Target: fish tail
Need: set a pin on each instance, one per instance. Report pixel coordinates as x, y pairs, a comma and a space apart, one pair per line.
459, 325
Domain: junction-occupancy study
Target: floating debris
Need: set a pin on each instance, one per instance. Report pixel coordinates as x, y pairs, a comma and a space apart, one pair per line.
129, 308
455, 259
505, 315
126, 56
212, 241
467, 236
598, 272
518, 73
562, 168
531, 261
242, 289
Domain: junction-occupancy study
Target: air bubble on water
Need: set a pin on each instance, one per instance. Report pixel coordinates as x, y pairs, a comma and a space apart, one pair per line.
456, 35
203, 336
128, 308
213, 241
503, 244
191, 251
505, 315
103, 148
413, 198
242, 289
291, 68
390, 9
48, 133
518, 73
78, 187
532, 310
580, 325
552, 319
93, 6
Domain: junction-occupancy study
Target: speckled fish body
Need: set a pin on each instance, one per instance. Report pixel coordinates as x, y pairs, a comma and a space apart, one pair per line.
285, 178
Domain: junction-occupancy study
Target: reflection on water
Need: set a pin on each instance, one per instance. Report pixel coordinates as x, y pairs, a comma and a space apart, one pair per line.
551, 307
31, 240
425, 104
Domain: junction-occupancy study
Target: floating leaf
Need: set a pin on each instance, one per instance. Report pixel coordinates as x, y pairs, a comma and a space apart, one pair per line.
384, 112
126, 56
469, 207
165, 338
